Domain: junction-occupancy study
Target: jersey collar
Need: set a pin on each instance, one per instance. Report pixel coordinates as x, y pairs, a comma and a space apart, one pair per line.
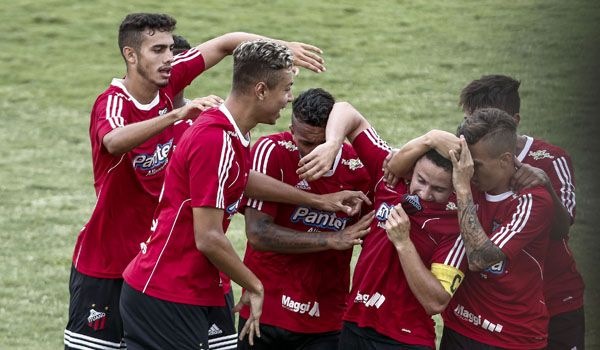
526, 148
119, 83
498, 197
244, 139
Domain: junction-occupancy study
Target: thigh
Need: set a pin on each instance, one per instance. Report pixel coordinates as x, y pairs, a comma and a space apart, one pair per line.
152, 324
321, 341
567, 331
94, 317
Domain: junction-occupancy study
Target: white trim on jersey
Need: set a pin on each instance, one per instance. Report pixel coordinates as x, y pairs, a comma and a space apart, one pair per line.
376, 140
259, 164
456, 254
223, 343
519, 220
537, 263
143, 107
227, 155
245, 139
526, 148
567, 190
80, 341
185, 56
165, 246
114, 107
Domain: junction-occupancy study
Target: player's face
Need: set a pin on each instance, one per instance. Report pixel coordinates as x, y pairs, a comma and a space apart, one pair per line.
155, 57
306, 136
277, 97
431, 182
488, 173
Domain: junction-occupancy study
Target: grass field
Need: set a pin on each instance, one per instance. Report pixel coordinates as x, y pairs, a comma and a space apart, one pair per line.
402, 63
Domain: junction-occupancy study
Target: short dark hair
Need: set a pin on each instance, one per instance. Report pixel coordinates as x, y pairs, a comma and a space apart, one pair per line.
134, 24
259, 60
180, 44
493, 126
438, 160
491, 91
313, 107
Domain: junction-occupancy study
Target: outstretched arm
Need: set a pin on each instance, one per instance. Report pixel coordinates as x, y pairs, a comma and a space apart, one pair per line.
264, 235
481, 251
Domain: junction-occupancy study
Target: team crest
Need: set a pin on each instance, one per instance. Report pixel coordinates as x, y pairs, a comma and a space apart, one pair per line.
353, 164
498, 268
540, 154
163, 111
97, 319
289, 145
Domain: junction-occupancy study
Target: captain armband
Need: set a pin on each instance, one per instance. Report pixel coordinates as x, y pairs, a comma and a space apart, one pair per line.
450, 277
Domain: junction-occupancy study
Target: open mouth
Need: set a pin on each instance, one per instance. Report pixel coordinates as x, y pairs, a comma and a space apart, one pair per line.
165, 71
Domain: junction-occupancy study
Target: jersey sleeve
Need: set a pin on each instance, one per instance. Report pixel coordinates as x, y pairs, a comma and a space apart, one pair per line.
210, 164
110, 113
528, 219
449, 263
265, 160
562, 177
186, 67
372, 151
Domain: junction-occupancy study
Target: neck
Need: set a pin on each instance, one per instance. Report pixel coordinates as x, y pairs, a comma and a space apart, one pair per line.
504, 185
141, 89
242, 112
521, 141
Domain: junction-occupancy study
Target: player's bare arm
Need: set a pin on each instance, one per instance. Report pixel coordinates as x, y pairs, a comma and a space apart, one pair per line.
124, 139
344, 122
528, 176
481, 251
214, 50
263, 187
425, 286
264, 235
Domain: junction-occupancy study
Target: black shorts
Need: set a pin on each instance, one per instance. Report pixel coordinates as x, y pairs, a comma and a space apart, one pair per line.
278, 338
452, 340
567, 331
354, 337
152, 323
94, 318
221, 331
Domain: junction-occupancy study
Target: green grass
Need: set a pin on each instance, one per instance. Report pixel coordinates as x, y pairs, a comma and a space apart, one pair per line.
402, 63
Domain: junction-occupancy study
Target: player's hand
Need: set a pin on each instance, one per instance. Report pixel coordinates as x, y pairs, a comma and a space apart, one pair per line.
528, 176
207, 102
443, 142
192, 109
462, 166
307, 56
397, 226
350, 202
252, 325
352, 235
318, 161
390, 178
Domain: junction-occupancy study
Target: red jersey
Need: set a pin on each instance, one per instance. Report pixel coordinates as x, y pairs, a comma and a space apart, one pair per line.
127, 186
306, 292
208, 169
504, 304
563, 285
381, 297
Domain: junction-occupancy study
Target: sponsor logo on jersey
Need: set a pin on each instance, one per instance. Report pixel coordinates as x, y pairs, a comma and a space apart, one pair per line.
476, 320
153, 163
376, 299
214, 330
540, 154
353, 164
318, 218
96, 319
301, 308
303, 185
289, 145
451, 206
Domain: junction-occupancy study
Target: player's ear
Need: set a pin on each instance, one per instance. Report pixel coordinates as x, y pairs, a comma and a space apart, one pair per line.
130, 55
517, 118
260, 90
507, 160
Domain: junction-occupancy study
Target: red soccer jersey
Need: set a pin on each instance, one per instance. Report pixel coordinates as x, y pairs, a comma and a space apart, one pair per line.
504, 305
127, 186
381, 297
209, 169
563, 285
307, 292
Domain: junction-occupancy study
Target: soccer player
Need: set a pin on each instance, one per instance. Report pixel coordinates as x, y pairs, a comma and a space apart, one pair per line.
409, 266
501, 302
133, 130
550, 166
302, 254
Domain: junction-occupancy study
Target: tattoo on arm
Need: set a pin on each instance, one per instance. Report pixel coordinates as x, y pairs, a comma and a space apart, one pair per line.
481, 251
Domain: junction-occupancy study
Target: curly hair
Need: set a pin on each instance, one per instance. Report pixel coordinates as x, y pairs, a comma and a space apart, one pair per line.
313, 107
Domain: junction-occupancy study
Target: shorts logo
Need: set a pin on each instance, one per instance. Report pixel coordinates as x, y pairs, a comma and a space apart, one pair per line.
318, 218
470, 317
376, 299
214, 330
153, 163
301, 308
96, 319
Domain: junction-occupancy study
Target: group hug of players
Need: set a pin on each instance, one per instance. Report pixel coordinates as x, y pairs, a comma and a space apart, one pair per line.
473, 226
